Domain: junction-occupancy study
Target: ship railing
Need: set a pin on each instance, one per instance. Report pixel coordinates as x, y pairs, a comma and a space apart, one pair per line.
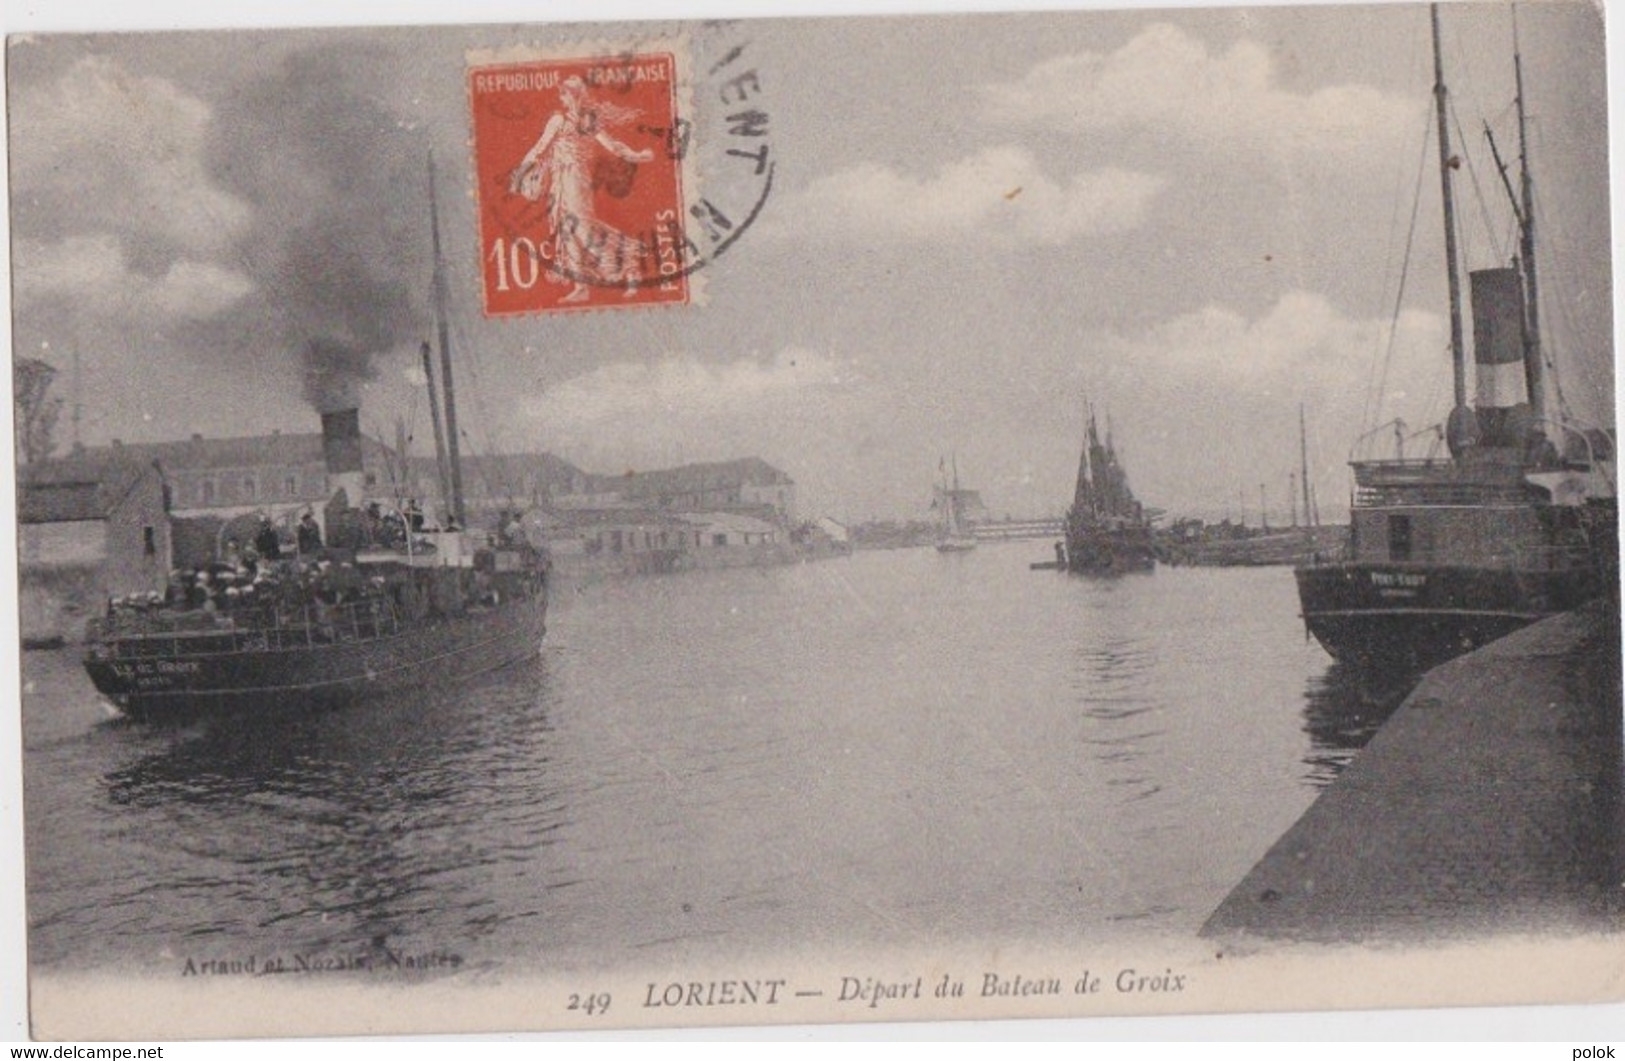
1400, 432
1551, 558
1597, 458
1394, 494
267, 627
316, 623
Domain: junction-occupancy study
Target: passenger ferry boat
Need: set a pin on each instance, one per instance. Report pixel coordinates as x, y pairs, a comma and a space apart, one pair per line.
428, 607
412, 626
1517, 522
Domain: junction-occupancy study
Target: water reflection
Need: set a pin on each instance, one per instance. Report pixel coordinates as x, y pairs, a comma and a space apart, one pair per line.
1343, 709
714, 761
1115, 685
348, 828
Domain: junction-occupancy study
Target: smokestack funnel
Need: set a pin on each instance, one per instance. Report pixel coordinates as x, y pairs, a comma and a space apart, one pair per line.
341, 451
1498, 350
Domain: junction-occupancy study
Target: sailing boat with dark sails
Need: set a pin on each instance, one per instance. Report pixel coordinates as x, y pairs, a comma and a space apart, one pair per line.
366, 616
1108, 531
1518, 522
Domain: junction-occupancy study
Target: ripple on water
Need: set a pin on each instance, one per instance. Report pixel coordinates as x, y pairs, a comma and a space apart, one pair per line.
878, 750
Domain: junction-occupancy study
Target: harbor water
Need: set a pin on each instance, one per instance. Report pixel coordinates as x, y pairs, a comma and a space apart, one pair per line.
895, 748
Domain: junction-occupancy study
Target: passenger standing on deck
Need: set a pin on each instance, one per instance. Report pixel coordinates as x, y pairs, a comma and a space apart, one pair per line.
310, 535
266, 542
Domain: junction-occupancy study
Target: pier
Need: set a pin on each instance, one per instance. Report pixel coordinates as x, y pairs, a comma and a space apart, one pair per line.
1018, 529
1489, 803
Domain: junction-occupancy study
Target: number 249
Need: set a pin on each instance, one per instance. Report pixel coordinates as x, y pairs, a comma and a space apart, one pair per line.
592, 1005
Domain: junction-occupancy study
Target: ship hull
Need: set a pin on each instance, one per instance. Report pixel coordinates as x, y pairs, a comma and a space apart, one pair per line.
1411, 617
1111, 552
236, 676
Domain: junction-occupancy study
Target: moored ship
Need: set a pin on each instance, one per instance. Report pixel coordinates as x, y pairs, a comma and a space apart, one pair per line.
1108, 531
1517, 522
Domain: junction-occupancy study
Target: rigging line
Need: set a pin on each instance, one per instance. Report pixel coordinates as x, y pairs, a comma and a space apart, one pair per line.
1478, 189
389, 466
1552, 223
468, 356
1557, 284
1388, 263
1435, 400
1554, 290
497, 471
494, 470
412, 408
1404, 274
1371, 395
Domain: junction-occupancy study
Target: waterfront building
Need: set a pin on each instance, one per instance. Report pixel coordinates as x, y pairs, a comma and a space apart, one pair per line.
748, 485
88, 529
230, 477
541, 481
502, 482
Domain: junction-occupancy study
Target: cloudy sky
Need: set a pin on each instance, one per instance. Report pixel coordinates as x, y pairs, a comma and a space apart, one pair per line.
1195, 219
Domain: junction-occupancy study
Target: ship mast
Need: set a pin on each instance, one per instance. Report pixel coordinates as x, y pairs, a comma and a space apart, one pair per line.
443, 335
442, 474
1534, 373
1523, 209
1463, 427
1303, 456
1083, 495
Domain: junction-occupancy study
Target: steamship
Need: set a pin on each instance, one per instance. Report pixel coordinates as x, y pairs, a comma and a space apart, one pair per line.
366, 616
1517, 522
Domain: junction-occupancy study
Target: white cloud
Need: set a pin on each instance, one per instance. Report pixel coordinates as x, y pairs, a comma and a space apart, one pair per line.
1000, 193
1220, 378
197, 290
682, 386
688, 407
1167, 80
1301, 344
92, 274
80, 267
101, 149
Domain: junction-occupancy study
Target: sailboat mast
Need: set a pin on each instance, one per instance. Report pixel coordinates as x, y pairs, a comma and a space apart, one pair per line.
1458, 352
78, 398
1534, 369
953, 496
453, 457
1303, 457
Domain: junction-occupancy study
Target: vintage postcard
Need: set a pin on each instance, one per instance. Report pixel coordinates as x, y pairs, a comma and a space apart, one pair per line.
655, 524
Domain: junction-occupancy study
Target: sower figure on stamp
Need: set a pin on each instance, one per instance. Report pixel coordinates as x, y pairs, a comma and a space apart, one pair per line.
559, 170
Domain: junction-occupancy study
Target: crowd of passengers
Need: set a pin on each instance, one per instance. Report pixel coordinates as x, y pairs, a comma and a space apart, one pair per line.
259, 581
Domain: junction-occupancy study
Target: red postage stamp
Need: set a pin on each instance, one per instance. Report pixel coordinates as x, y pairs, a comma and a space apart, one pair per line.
578, 164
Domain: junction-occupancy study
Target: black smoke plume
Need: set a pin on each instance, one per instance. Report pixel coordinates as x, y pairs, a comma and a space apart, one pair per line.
339, 246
